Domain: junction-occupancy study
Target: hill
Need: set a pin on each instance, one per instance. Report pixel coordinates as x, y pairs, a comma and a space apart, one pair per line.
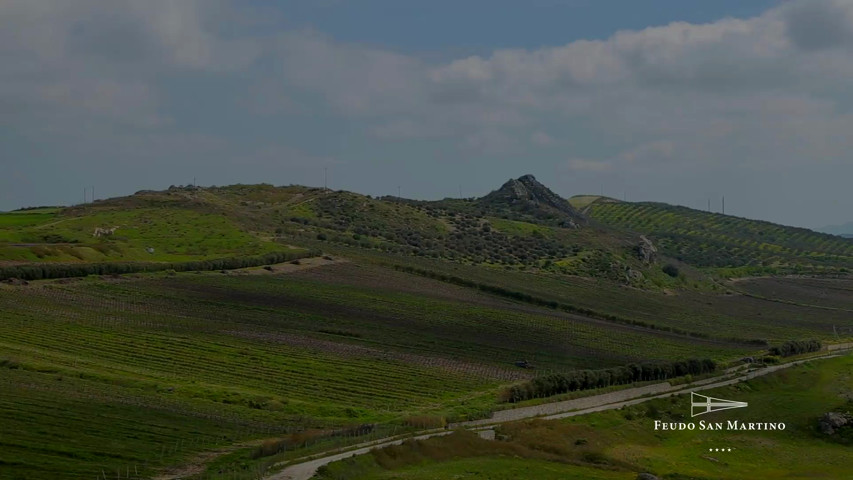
618, 444
520, 226
736, 246
406, 314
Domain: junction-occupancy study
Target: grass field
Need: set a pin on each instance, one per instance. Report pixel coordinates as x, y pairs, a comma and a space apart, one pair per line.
621, 443
174, 234
128, 375
323, 348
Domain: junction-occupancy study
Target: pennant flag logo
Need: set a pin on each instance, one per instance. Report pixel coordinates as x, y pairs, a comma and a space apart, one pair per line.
700, 404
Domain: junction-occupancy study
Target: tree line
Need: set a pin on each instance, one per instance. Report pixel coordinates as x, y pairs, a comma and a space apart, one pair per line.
527, 298
795, 347
557, 383
42, 271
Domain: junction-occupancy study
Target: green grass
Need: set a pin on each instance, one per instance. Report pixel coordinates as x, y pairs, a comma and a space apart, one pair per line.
514, 227
175, 235
61, 426
621, 443
271, 354
484, 468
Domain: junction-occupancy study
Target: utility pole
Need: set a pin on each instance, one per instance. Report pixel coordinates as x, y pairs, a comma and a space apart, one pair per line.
724, 205
398, 192
326, 179
709, 205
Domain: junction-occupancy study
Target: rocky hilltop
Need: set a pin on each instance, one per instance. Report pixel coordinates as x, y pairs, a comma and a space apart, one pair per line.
526, 197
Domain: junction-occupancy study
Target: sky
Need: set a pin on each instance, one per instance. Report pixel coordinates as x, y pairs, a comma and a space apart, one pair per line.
660, 100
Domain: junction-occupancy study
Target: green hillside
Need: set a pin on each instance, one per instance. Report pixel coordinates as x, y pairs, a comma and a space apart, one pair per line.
735, 244
356, 318
619, 444
521, 226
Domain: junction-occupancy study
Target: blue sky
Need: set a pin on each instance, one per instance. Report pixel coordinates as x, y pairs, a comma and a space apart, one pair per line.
674, 101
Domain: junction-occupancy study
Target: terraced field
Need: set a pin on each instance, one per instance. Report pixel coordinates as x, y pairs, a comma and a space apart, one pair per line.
722, 241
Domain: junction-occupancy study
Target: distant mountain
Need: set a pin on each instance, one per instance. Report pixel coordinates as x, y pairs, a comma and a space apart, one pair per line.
845, 230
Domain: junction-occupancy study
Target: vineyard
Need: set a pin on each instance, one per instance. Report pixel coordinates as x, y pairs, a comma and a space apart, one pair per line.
722, 241
244, 357
720, 313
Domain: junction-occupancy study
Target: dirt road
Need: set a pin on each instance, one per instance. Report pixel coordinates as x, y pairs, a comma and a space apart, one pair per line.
568, 408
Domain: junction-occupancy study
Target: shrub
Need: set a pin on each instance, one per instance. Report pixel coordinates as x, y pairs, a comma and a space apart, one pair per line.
671, 270
557, 383
795, 347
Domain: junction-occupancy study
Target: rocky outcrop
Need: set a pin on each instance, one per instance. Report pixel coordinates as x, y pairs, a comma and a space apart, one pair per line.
646, 476
527, 196
831, 422
104, 232
646, 250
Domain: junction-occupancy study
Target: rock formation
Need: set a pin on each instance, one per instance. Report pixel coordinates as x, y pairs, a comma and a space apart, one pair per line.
646, 250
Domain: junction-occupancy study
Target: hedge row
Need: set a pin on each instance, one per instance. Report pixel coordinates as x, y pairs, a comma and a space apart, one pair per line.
796, 347
527, 298
557, 383
47, 270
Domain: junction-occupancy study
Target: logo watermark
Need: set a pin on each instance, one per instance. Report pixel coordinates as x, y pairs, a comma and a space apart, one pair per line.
701, 405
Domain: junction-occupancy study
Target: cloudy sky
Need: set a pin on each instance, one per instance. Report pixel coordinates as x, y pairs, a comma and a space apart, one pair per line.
661, 100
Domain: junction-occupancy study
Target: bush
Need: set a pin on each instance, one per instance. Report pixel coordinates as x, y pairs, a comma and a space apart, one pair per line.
795, 347
557, 383
42, 271
671, 270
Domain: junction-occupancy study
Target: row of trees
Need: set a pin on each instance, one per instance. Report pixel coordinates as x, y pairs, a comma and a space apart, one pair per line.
62, 270
527, 298
796, 347
557, 383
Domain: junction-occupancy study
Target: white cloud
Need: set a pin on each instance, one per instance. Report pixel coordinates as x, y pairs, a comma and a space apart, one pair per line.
757, 93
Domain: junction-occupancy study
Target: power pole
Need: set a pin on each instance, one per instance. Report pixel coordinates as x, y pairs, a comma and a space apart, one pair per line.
724, 205
709, 205
398, 192
326, 179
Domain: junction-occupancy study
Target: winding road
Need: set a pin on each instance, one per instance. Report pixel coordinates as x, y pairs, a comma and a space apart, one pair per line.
568, 408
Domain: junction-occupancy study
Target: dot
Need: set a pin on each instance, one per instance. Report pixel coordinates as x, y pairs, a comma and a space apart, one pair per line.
730, 449
710, 449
